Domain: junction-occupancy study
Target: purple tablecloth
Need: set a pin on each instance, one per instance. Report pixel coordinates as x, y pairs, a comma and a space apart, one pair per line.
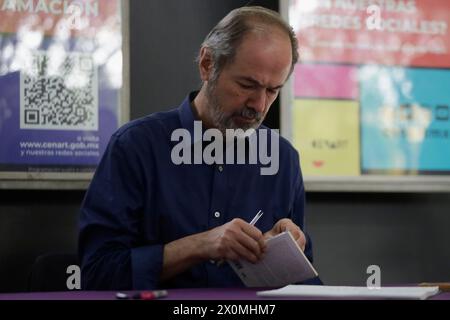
173, 294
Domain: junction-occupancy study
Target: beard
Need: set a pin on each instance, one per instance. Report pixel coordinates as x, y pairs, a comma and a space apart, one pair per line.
221, 120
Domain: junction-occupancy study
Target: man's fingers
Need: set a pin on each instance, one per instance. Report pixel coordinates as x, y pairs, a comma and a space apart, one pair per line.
252, 231
299, 237
255, 234
302, 241
232, 255
256, 247
242, 252
242, 239
296, 232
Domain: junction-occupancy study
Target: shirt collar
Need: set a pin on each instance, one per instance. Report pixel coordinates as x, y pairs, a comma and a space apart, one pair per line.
186, 113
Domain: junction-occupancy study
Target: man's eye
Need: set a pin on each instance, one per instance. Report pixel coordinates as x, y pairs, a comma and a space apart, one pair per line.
273, 91
246, 86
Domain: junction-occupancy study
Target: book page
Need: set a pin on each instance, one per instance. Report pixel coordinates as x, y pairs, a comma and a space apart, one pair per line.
284, 263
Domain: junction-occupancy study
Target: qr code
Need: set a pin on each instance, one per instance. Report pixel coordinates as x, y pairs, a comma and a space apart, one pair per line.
59, 93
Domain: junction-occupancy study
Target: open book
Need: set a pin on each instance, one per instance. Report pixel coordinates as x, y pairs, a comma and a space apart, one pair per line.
284, 263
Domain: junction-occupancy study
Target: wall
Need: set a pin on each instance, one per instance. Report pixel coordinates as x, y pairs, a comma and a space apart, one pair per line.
33, 223
405, 234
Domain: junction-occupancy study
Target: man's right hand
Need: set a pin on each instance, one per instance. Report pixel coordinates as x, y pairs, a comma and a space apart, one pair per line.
234, 240
231, 241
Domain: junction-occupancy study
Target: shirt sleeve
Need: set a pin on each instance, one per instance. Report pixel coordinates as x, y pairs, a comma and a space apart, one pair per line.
298, 217
297, 209
112, 250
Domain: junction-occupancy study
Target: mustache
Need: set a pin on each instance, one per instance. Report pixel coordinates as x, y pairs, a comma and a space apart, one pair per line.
250, 113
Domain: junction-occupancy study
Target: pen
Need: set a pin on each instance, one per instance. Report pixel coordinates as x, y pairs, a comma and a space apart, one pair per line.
443, 286
253, 222
143, 295
256, 218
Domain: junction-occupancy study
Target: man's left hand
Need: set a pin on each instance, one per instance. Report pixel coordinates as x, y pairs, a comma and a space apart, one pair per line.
287, 225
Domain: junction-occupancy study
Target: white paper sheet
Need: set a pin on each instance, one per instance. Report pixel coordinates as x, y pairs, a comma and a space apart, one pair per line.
351, 292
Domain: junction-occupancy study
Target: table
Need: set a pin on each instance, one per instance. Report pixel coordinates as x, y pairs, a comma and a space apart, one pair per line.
174, 294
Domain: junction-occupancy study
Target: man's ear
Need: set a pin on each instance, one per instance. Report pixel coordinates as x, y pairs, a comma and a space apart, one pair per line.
205, 64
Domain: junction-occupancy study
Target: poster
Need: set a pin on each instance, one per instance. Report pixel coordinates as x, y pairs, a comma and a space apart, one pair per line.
326, 119
373, 75
388, 32
327, 136
406, 121
61, 68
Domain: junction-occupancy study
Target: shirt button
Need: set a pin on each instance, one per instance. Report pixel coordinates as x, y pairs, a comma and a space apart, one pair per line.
220, 168
217, 214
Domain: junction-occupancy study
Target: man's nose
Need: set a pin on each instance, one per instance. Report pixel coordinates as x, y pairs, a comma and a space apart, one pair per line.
258, 100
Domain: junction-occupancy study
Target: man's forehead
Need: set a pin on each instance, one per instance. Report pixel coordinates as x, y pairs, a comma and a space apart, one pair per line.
271, 37
262, 54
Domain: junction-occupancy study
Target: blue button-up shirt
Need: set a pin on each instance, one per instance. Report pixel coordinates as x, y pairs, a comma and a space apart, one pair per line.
139, 200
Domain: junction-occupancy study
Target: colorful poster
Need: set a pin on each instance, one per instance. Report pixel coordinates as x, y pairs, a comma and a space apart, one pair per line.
60, 82
326, 133
373, 86
394, 32
405, 116
326, 81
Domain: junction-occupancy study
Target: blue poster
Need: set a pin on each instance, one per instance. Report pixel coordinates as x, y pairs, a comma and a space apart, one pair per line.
405, 120
60, 82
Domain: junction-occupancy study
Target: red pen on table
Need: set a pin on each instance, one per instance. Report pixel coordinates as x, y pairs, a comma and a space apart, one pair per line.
143, 295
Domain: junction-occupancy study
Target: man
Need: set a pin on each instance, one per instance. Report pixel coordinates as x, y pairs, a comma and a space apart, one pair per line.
147, 222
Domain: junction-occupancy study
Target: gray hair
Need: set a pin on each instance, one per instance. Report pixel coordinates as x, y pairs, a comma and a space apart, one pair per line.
226, 36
